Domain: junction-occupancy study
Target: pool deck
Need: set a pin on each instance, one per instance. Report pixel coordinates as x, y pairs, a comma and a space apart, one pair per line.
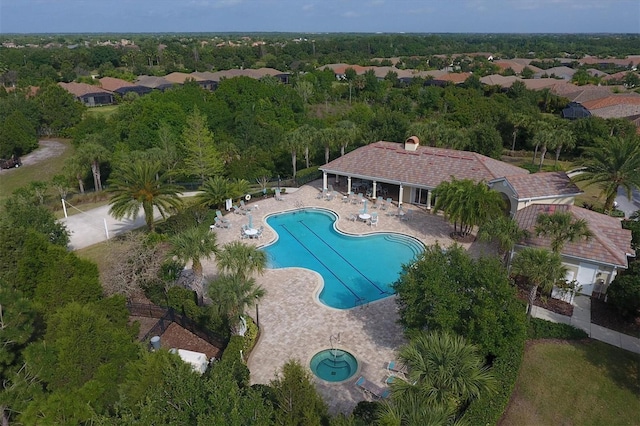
295, 325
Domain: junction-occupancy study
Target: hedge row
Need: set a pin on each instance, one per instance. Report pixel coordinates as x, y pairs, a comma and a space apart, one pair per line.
541, 329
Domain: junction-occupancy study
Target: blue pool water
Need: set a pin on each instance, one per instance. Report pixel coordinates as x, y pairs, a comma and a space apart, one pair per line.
356, 269
334, 365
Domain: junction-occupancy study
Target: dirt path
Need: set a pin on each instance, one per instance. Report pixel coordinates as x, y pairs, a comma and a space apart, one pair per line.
47, 148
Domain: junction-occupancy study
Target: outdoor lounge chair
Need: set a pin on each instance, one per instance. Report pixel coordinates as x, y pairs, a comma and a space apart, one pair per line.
396, 369
371, 389
220, 217
321, 195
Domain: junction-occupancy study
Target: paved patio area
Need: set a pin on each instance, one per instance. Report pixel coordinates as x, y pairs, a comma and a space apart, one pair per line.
295, 325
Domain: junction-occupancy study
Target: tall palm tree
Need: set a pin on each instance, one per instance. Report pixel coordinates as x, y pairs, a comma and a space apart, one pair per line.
140, 184
444, 373
566, 140
294, 141
243, 260
467, 203
545, 138
92, 153
347, 133
542, 269
504, 231
562, 228
613, 163
194, 244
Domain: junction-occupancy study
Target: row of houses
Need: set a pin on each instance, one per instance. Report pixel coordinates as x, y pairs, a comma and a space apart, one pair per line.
108, 88
413, 172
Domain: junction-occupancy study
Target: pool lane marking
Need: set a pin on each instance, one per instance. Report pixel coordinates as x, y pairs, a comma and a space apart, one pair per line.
358, 298
343, 258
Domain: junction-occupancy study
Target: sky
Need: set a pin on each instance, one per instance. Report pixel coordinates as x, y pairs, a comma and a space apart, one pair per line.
319, 16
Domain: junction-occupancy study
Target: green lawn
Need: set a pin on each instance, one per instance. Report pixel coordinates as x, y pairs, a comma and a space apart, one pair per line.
10, 180
577, 383
103, 111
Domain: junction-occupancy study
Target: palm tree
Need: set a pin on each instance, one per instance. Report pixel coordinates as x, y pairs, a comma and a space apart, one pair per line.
194, 244
545, 138
92, 154
232, 294
566, 140
542, 269
518, 121
214, 191
468, 203
243, 260
327, 139
613, 163
505, 231
561, 228
235, 289
140, 184
294, 141
444, 373
347, 133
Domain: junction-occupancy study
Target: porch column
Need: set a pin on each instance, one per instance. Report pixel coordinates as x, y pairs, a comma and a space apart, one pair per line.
324, 180
428, 199
348, 184
400, 194
373, 191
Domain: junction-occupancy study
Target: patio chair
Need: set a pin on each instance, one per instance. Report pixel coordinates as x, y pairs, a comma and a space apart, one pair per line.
407, 215
372, 390
379, 202
389, 201
353, 217
345, 198
330, 196
374, 219
220, 217
278, 195
237, 210
354, 199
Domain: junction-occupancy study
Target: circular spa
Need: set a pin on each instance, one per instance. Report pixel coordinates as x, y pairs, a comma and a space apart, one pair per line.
334, 365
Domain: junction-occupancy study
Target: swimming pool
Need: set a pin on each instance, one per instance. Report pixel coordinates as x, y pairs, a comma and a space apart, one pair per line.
356, 269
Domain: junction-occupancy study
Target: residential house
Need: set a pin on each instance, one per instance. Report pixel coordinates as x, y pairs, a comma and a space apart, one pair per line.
88, 94
593, 263
122, 87
153, 82
522, 190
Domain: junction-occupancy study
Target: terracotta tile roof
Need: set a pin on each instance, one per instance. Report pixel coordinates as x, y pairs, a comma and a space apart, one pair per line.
616, 76
112, 84
454, 77
614, 99
181, 77
426, 167
82, 89
541, 185
542, 83
610, 244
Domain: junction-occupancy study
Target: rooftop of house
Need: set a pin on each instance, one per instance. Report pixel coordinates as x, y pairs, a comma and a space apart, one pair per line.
253, 73
83, 89
540, 185
153, 81
425, 167
610, 243
611, 100
181, 77
111, 84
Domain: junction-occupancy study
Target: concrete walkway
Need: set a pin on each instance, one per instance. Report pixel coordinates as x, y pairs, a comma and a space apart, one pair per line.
581, 319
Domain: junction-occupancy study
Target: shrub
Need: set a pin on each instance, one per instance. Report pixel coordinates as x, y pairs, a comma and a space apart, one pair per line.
232, 361
541, 329
624, 292
250, 336
488, 409
307, 175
